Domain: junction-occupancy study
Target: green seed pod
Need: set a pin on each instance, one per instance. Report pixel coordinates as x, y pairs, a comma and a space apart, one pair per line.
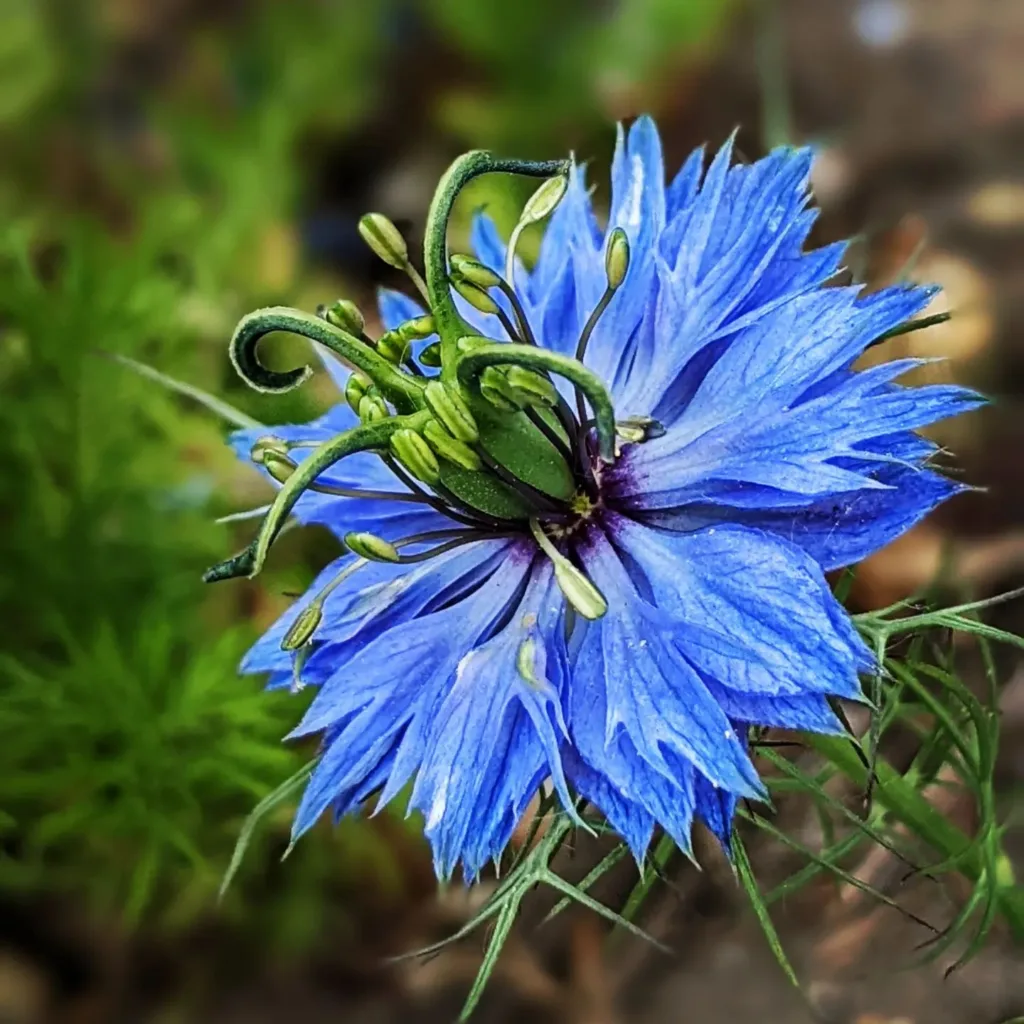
448, 406
431, 355
371, 547
449, 448
303, 628
534, 387
372, 408
415, 455
355, 388
476, 297
616, 260
263, 445
345, 314
465, 268
384, 239
495, 388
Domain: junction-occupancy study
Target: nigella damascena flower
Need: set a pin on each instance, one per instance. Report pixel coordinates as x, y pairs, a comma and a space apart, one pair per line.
589, 506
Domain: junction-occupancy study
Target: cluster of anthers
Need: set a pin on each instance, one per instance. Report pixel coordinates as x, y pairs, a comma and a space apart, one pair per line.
473, 427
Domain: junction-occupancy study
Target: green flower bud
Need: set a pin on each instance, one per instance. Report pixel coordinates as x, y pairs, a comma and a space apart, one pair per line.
579, 591
465, 268
415, 455
279, 466
372, 408
371, 547
495, 389
450, 448
263, 445
616, 260
476, 297
532, 386
431, 355
355, 388
303, 628
384, 239
345, 314
544, 200
393, 347
449, 407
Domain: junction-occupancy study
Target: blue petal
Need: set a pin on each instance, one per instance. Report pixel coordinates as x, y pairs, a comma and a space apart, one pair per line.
777, 444
493, 732
375, 597
716, 808
752, 612
653, 696
838, 530
381, 704
396, 307
631, 820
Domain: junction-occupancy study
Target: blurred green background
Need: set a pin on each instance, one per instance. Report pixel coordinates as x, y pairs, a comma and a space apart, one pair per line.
168, 165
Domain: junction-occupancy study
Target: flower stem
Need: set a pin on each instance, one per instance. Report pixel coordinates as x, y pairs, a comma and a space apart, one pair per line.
366, 436
450, 325
472, 364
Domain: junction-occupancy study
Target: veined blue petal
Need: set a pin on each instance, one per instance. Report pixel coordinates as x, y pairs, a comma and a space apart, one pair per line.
494, 731
653, 696
752, 611
835, 531
382, 703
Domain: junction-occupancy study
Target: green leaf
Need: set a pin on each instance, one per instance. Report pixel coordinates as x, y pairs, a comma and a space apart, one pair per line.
746, 877
289, 788
215, 405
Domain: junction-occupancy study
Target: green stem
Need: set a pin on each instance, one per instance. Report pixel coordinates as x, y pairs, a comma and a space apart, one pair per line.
399, 388
472, 364
358, 439
902, 799
450, 325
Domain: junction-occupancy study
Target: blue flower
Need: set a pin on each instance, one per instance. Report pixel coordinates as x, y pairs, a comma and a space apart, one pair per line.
616, 638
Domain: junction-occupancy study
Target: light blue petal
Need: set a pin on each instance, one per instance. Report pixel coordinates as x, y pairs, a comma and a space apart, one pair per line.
389, 692
494, 731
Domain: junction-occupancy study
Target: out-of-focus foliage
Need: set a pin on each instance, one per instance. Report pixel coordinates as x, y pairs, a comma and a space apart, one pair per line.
130, 750
549, 67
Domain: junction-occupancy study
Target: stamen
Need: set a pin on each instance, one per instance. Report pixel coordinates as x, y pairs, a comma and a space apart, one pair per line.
616, 264
579, 591
387, 242
538, 206
525, 330
468, 537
